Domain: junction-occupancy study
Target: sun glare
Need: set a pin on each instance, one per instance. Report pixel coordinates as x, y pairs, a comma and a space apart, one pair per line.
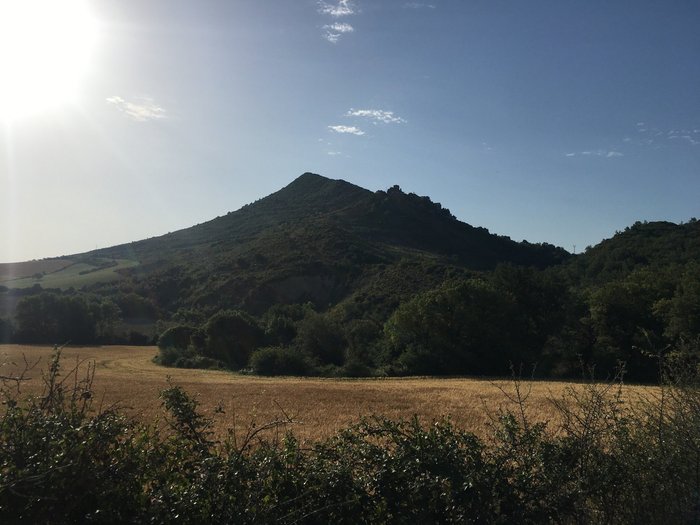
45, 46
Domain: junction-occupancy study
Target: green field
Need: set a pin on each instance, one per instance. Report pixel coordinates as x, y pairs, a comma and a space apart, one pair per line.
63, 273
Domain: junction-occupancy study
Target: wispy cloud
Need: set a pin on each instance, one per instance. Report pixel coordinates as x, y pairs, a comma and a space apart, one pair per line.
352, 130
334, 153
333, 32
649, 135
418, 5
342, 8
608, 154
376, 115
141, 110
687, 138
646, 135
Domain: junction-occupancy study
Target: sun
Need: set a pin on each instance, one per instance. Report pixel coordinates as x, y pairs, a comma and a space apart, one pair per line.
45, 46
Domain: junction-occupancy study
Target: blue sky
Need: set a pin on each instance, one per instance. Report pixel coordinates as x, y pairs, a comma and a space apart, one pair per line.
558, 121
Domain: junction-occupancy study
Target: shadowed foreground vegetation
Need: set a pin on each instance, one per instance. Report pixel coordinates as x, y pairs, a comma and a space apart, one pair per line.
606, 462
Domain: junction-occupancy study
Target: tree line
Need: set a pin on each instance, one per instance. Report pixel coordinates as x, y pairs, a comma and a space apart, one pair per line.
56, 317
468, 326
627, 300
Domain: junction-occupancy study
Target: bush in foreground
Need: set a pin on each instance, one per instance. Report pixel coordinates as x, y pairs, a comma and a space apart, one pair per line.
62, 462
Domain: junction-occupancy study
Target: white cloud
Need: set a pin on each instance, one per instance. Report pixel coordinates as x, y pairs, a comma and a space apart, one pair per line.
658, 138
340, 27
143, 110
376, 115
334, 153
333, 32
418, 5
608, 154
342, 8
352, 130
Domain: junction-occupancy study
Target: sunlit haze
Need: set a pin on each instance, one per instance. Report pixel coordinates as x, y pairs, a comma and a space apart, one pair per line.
547, 121
44, 51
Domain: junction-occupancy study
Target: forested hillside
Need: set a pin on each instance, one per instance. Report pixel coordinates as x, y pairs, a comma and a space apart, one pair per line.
324, 277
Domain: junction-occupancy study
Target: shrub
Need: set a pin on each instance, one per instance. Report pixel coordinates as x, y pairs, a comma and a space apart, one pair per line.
179, 337
231, 337
169, 355
6, 331
61, 464
278, 360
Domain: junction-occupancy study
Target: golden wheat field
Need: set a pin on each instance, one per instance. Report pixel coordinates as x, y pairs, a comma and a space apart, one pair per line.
127, 377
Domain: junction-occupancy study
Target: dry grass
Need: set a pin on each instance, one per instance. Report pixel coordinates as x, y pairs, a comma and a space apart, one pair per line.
125, 375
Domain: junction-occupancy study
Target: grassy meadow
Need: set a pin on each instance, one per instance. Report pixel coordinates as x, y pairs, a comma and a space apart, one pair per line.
62, 273
127, 376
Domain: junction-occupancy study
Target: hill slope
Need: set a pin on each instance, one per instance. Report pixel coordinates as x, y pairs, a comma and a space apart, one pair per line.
317, 239
654, 245
389, 276
390, 218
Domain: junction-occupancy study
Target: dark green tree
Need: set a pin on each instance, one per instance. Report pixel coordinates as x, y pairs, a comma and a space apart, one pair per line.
7, 331
231, 337
51, 318
178, 337
681, 313
462, 327
622, 318
321, 337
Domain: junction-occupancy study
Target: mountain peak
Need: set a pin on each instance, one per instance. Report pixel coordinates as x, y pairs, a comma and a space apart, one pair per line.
310, 176
313, 181
315, 191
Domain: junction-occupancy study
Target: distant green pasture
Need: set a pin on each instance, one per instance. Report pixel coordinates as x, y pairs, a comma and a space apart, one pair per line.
10, 271
75, 275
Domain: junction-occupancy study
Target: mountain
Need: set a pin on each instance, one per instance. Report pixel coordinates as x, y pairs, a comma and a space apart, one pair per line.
317, 239
391, 219
325, 277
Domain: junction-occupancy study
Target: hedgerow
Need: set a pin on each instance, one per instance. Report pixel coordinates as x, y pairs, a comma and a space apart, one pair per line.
62, 460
